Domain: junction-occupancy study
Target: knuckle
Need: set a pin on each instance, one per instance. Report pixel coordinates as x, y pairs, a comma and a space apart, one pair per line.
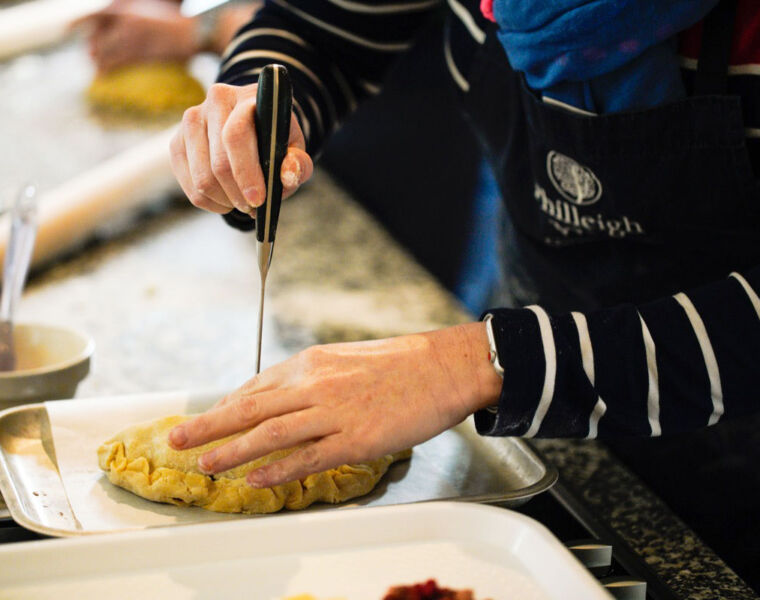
192, 116
311, 458
275, 431
218, 91
198, 200
234, 132
206, 183
248, 409
313, 355
220, 165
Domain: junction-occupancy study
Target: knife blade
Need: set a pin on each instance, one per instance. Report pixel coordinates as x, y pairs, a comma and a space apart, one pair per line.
274, 101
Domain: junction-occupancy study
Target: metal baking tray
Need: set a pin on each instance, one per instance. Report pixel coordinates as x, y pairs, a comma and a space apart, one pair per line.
455, 465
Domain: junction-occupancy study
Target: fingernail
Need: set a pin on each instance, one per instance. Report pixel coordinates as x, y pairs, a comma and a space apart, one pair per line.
206, 461
257, 479
291, 177
178, 437
252, 195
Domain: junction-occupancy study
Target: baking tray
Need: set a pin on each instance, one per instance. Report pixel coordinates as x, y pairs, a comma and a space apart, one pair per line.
457, 464
352, 555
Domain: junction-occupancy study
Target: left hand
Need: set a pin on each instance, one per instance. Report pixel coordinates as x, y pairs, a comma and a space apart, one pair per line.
347, 403
131, 31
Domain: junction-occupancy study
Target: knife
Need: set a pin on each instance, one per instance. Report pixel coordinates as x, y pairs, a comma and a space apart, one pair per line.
274, 101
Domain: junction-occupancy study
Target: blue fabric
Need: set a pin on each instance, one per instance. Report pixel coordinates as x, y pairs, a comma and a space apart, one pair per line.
600, 56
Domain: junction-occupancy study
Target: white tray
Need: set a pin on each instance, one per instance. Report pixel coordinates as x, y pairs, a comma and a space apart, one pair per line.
352, 555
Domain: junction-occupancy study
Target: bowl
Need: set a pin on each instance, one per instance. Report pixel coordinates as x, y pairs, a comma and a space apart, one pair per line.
50, 362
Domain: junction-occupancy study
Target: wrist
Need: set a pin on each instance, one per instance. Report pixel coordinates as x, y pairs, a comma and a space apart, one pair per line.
489, 381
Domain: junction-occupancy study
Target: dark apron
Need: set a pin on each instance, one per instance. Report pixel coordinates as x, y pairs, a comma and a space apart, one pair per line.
629, 207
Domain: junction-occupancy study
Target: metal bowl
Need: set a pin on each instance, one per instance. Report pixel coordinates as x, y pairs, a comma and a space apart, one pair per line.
50, 362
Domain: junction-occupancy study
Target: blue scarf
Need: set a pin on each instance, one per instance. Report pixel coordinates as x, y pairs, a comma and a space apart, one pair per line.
599, 55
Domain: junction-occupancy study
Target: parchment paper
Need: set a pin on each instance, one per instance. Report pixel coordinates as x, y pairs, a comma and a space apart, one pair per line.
80, 426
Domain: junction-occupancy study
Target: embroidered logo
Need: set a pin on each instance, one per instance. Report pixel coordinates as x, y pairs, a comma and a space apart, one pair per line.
576, 183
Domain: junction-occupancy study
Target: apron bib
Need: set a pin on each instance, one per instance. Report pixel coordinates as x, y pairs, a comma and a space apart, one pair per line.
613, 208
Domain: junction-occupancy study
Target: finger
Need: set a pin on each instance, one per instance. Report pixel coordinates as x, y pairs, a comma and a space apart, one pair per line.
297, 168
246, 412
197, 150
178, 158
239, 139
277, 433
218, 114
327, 453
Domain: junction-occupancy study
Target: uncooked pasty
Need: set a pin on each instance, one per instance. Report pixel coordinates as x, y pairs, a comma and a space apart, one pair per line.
139, 459
147, 89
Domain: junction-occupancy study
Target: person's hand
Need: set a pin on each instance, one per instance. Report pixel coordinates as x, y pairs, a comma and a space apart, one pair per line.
215, 157
347, 403
130, 31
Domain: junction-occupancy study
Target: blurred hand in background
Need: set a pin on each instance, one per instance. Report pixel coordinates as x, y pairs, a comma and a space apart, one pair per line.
132, 31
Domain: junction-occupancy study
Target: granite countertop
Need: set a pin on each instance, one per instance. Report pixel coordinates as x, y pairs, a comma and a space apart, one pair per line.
172, 304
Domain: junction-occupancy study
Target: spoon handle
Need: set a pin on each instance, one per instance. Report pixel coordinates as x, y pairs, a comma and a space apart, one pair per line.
18, 252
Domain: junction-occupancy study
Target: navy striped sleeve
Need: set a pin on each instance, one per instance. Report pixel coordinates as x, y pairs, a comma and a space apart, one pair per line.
337, 53
676, 364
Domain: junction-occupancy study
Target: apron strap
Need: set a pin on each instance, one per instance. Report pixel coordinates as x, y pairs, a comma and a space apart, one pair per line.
715, 52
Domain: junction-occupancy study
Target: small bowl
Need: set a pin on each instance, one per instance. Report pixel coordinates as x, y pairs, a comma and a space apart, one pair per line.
50, 363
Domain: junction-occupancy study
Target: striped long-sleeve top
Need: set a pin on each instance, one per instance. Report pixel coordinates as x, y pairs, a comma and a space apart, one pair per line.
678, 363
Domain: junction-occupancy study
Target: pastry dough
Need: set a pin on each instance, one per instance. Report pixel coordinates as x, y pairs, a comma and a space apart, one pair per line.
146, 88
140, 460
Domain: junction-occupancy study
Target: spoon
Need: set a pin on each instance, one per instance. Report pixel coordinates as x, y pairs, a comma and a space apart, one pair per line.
18, 255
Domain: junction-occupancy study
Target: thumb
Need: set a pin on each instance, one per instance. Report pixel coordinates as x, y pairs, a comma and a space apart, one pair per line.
296, 169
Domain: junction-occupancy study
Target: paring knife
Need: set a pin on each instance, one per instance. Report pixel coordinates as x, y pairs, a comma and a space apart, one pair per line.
274, 101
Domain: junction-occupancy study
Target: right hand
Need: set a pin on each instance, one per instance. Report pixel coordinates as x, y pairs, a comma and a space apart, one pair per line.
215, 157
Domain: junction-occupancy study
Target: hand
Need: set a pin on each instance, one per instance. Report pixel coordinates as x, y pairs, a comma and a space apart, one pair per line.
347, 403
215, 157
130, 31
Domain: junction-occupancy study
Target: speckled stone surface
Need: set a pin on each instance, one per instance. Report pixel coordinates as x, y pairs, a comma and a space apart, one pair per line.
621, 501
172, 304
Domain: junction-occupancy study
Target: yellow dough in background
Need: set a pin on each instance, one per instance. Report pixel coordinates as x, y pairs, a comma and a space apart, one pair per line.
140, 460
146, 88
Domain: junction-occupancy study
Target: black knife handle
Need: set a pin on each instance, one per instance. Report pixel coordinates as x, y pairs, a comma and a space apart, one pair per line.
274, 102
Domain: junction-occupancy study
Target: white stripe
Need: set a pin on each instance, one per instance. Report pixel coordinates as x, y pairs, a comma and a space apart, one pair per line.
750, 292
385, 8
653, 394
244, 37
550, 357
745, 69
593, 423
381, 46
373, 89
568, 107
467, 20
716, 391
587, 358
289, 60
458, 77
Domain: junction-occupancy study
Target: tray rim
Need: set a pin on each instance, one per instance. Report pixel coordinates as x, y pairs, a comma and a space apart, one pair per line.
441, 511
12, 496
